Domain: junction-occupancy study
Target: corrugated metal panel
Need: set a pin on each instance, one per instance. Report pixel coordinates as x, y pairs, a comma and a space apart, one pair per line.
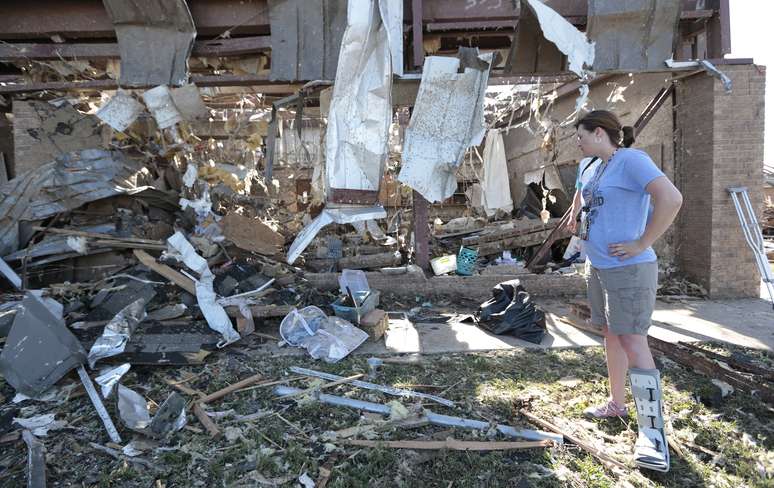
635, 35
305, 38
155, 38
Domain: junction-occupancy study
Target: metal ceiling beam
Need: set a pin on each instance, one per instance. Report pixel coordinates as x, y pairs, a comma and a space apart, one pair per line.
92, 51
259, 83
74, 19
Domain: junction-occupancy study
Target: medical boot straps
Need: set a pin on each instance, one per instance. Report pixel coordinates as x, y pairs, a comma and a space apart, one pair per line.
651, 450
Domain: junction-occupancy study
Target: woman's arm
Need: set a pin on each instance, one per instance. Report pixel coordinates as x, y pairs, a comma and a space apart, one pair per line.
667, 201
574, 209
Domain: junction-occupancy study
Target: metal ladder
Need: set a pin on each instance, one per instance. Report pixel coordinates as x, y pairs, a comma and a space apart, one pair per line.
752, 234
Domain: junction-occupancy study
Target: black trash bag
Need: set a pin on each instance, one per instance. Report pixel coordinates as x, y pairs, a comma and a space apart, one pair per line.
511, 311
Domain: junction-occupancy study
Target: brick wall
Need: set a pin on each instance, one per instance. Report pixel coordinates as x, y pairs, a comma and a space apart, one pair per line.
694, 162
41, 132
28, 152
721, 145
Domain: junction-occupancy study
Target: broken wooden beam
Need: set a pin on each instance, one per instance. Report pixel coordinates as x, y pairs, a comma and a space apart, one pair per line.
520, 228
217, 395
451, 444
734, 363
561, 231
525, 240
172, 275
205, 420
690, 357
94, 235
262, 311
381, 260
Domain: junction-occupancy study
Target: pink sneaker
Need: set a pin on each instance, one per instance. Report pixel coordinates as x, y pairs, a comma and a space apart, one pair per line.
608, 410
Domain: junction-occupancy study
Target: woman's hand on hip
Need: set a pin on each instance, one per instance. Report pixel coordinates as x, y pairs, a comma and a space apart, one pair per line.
626, 250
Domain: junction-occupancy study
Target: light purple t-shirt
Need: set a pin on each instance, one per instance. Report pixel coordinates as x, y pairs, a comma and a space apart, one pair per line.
619, 209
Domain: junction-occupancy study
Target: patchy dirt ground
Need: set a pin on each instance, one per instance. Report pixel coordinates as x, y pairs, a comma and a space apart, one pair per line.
725, 441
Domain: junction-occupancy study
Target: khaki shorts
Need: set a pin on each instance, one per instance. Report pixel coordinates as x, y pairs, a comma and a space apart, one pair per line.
623, 298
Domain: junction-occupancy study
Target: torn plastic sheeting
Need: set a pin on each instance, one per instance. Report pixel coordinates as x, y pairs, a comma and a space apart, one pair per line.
390, 390
495, 180
328, 338
432, 417
160, 103
155, 39
583, 98
40, 424
120, 111
361, 108
69, 182
706, 65
572, 42
117, 332
133, 411
447, 119
108, 379
191, 173
632, 36
343, 215
39, 349
215, 315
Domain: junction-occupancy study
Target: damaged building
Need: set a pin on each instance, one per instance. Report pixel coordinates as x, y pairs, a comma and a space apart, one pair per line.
184, 182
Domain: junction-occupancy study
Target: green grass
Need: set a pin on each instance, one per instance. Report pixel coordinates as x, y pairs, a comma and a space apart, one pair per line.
487, 386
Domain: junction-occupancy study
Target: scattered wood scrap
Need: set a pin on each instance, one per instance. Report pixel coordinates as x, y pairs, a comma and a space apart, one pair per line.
231, 388
603, 457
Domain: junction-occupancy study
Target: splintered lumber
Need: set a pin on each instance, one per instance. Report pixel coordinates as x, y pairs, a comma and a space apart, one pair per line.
701, 364
561, 231
205, 420
526, 240
262, 311
602, 456
766, 374
520, 228
524, 234
693, 358
231, 388
172, 275
95, 235
452, 444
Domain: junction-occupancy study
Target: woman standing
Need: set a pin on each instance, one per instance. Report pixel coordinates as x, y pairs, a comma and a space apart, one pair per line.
618, 228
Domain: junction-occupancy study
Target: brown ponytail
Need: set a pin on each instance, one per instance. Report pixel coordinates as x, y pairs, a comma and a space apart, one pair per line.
608, 122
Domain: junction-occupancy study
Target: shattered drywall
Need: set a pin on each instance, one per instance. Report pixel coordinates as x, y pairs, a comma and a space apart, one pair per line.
447, 119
